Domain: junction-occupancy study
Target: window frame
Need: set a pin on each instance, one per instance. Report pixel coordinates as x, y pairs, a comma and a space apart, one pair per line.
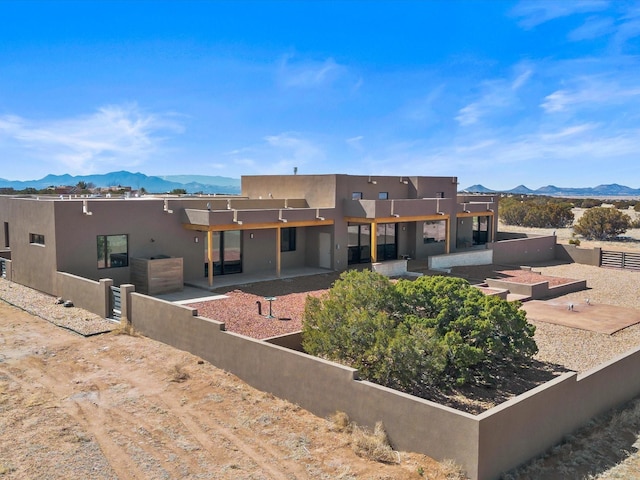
288, 238
106, 257
383, 195
36, 239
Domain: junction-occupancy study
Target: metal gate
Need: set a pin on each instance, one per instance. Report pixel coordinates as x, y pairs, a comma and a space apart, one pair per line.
116, 304
612, 259
3, 268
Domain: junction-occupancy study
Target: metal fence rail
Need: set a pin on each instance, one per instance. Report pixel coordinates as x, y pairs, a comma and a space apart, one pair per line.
116, 304
3, 268
613, 259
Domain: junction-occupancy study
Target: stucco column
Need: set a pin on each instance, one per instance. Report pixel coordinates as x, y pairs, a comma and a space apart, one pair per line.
125, 304
106, 284
210, 256
448, 242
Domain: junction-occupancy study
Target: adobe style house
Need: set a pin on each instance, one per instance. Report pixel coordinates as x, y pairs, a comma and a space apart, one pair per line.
278, 223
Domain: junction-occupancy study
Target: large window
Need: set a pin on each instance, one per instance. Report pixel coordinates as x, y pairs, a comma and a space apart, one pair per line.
288, 239
36, 238
113, 251
435, 231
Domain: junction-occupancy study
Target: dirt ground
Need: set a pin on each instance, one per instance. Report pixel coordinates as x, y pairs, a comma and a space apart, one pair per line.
116, 406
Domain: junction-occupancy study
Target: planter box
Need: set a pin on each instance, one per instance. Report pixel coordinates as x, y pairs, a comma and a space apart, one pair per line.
153, 276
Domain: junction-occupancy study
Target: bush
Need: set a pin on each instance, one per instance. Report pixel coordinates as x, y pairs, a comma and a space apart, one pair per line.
602, 223
538, 212
435, 331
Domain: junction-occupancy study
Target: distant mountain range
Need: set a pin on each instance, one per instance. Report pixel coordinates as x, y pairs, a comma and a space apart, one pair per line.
613, 190
152, 184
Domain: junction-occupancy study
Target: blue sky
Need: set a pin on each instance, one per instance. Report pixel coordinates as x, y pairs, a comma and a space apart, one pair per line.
495, 92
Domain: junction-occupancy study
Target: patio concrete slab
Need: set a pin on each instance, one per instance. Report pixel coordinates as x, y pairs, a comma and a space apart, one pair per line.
599, 318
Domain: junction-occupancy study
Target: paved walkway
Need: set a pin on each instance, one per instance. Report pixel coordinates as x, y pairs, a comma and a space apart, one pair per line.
599, 318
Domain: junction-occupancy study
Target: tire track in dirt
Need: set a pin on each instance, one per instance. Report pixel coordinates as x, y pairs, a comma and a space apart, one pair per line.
123, 445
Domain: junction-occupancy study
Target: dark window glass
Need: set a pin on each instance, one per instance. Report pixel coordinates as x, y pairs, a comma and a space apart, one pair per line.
113, 251
36, 238
288, 239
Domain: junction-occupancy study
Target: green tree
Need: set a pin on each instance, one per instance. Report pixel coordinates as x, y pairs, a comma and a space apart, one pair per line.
413, 335
602, 223
178, 191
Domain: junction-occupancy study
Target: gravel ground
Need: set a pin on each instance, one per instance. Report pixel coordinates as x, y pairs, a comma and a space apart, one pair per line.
45, 306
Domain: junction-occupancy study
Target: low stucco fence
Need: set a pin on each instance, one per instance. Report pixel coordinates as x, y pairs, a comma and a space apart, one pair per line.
574, 254
484, 445
84, 293
538, 290
524, 251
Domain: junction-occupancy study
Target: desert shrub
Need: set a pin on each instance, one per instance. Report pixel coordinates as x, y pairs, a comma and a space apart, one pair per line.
574, 241
539, 212
178, 373
373, 446
590, 202
413, 335
602, 223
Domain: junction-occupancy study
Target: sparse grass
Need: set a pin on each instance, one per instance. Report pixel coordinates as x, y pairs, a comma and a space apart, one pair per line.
125, 329
373, 446
178, 374
5, 469
339, 422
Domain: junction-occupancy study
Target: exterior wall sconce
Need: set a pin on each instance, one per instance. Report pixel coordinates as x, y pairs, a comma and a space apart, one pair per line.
251, 235
165, 208
196, 239
373, 182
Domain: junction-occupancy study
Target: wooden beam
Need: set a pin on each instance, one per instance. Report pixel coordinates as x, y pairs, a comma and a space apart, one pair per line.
374, 242
255, 226
278, 249
210, 257
415, 218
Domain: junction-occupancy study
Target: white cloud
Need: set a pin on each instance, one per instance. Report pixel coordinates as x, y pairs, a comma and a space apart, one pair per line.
590, 92
308, 74
278, 154
497, 96
534, 13
593, 27
121, 134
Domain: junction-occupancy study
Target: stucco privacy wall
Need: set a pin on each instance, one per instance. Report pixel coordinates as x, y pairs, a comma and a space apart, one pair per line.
526, 426
84, 293
484, 445
571, 253
319, 386
475, 257
524, 251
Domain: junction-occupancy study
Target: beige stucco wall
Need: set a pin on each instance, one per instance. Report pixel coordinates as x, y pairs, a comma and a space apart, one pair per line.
32, 265
524, 251
84, 293
317, 385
